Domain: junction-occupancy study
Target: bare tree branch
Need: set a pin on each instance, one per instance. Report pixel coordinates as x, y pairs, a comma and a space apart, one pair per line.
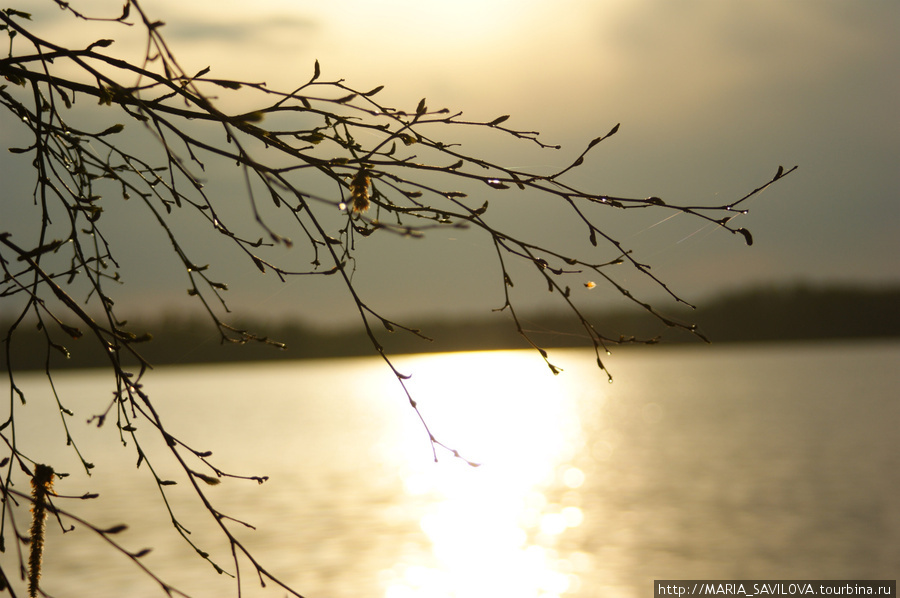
388, 171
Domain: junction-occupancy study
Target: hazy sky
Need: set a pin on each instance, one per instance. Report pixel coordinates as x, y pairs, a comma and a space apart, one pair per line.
712, 97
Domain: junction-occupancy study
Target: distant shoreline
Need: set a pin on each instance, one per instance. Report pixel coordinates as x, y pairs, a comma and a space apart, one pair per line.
796, 313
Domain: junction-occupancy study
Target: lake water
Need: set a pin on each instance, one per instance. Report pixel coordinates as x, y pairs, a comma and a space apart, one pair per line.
724, 462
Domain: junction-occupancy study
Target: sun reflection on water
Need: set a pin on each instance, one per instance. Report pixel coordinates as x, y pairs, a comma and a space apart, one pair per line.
496, 530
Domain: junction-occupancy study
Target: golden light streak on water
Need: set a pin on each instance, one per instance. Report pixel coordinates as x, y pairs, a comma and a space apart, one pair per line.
495, 530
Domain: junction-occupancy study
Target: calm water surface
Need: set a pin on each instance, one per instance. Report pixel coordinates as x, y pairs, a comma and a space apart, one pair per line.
762, 461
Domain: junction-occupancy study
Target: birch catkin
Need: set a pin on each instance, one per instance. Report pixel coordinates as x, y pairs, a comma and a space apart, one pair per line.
41, 486
359, 191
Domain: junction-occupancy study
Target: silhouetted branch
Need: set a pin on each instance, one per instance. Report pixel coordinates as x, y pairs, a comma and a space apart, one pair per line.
383, 171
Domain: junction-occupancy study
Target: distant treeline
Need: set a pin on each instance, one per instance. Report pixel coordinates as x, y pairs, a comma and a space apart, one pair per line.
796, 313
